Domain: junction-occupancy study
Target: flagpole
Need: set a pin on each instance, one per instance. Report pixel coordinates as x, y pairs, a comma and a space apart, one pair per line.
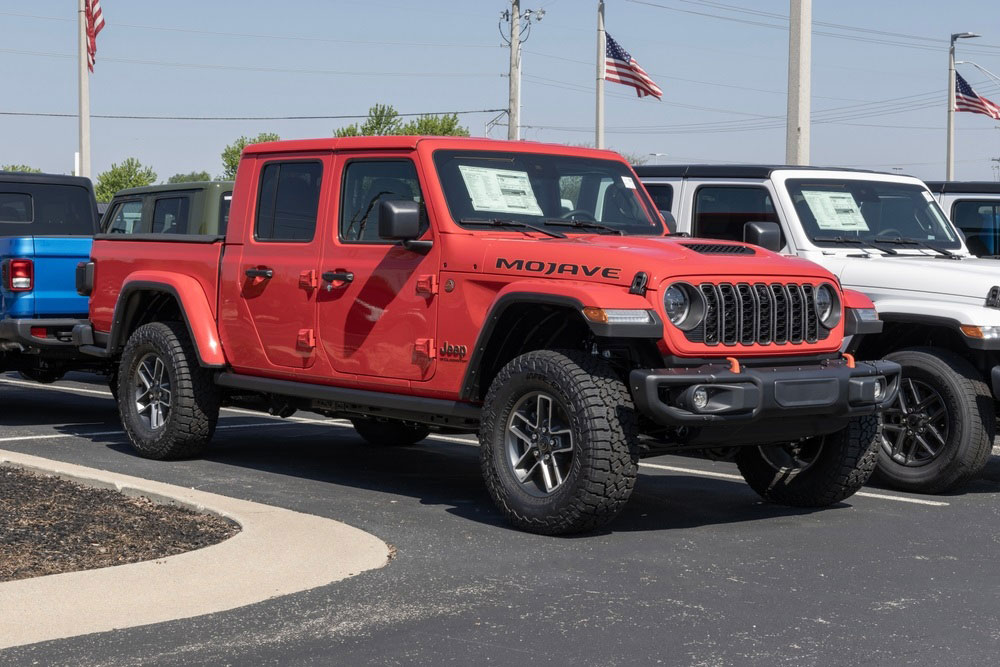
84, 169
601, 53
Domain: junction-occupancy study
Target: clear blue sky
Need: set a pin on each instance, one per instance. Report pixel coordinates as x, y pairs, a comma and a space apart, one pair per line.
723, 78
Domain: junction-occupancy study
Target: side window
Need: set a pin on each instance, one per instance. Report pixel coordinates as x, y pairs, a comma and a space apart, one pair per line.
663, 196
126, 218
288, 201
170, 215
980, 222
224, 202
15, 207
721, 211
367, 183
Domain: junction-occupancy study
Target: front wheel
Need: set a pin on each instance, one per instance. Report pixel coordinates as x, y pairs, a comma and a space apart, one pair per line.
558, 442
168, 404
815, 472
939, 432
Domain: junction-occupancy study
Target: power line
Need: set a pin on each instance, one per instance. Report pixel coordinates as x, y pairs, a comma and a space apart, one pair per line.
338, 117
247, 68
250, 35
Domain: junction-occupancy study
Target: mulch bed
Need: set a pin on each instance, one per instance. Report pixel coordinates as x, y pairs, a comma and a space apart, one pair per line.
50, 525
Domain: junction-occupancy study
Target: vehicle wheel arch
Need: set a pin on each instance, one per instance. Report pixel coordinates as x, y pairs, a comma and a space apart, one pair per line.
521, 322
143, 301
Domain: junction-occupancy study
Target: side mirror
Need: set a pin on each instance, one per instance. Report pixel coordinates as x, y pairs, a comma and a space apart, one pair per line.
765, 234
399, 220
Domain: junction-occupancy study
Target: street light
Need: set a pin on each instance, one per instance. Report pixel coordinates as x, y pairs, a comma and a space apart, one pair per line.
949, 164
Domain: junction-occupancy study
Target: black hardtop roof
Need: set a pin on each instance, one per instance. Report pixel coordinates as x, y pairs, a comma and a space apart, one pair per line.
46, 179
175, 187
988, 187
728, 170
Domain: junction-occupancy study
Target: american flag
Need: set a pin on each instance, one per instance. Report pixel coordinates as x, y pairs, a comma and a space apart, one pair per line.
620, 67
966, 99
95, 23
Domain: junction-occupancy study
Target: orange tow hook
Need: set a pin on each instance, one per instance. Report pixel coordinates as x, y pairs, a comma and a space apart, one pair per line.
734, 364
850, 359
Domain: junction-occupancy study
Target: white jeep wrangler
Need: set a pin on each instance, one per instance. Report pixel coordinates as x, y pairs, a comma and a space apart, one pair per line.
884, 235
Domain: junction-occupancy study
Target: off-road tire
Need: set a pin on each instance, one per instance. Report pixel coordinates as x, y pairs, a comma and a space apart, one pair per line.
842, 466
390, 433
602, 421
972, 418
194, 408
113, 382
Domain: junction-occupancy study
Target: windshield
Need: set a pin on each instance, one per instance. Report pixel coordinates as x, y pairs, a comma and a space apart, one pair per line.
38, 209
551, 191
869, 211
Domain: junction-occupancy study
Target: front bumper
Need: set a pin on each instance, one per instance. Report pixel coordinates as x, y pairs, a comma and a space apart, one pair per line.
769, 403
16, 334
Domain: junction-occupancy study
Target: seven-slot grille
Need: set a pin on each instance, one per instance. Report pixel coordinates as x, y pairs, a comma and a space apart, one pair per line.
748, 314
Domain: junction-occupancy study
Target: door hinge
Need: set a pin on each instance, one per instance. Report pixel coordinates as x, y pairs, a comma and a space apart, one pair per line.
307, 279
427, 285
306, 339
423, 348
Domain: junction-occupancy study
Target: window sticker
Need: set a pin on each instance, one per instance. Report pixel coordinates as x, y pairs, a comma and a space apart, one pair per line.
835, 210
628, 182
500, 190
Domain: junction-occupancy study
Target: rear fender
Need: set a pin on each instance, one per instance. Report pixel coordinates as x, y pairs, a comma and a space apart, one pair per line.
196, 311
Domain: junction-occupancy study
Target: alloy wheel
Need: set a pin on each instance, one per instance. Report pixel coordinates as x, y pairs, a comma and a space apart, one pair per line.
539, 443
151, 386
916, 428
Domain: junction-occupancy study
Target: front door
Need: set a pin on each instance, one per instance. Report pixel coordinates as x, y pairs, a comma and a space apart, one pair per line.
377, 302
280, 260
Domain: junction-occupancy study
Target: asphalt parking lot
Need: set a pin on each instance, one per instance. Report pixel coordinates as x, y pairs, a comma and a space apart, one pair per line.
696, 571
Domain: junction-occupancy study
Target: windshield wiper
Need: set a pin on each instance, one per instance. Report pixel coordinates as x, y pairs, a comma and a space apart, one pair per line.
853, 241
501, 222
584, 224
899, 240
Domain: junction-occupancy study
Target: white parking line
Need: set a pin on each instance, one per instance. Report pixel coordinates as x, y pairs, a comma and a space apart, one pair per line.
468, 440
863, 494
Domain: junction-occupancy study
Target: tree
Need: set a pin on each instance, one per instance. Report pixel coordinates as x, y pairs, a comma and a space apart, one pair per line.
20, 167
231, 153
190, 177
383, 119
129, 174
438, 126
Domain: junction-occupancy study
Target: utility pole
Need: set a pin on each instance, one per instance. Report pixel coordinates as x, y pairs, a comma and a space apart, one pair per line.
514, 103
518, 35
601, 57
799, 82
949, 161
84, 165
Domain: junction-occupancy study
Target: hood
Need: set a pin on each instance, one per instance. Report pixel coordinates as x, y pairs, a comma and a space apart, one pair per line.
970, 277
616, 259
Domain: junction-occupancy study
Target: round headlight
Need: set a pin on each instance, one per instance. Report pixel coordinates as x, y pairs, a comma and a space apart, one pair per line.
677, 304
827, 306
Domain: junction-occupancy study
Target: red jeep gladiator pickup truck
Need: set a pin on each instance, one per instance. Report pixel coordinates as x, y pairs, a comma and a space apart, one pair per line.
524, 291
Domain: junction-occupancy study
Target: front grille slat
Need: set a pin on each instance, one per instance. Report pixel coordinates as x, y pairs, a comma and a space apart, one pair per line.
758, 314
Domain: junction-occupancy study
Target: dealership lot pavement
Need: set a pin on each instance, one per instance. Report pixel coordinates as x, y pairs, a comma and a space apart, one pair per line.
696, 571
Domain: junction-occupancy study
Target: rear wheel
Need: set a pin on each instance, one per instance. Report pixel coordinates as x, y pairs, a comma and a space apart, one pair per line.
558, 442
390, 432
168, 404
939, 433
817, 471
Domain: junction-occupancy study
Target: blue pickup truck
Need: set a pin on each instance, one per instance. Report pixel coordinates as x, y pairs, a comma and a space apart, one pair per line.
47, 222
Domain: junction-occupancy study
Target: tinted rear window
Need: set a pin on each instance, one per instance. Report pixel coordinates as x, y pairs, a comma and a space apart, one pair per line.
33, 209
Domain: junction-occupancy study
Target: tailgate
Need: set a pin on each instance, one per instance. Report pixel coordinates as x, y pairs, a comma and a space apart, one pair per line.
54, 293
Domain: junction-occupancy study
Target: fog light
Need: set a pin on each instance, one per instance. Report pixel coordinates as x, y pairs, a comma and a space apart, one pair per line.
879, 389
699, 398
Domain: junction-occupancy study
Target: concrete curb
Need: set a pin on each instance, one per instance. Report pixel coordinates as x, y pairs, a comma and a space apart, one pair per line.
277, 552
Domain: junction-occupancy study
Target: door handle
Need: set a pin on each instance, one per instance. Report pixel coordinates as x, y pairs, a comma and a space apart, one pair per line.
265, 273
338, 276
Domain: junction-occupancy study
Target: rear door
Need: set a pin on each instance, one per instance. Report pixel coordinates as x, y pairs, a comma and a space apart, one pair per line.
280, 258
377, 314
